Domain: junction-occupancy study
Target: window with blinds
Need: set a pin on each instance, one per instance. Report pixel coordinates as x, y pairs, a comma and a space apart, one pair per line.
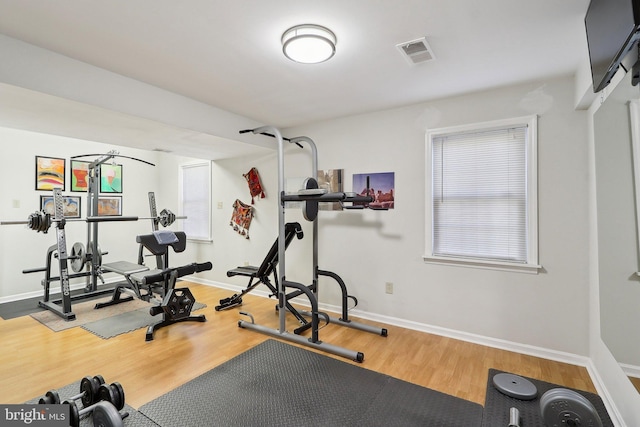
482, 199
195, 200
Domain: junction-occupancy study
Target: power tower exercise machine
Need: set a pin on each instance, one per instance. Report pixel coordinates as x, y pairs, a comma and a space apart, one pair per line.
310, 196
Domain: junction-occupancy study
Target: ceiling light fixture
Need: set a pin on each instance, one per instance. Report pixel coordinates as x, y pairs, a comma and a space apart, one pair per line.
309, 43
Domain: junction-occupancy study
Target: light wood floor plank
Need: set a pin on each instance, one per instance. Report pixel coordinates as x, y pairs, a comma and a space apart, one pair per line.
34, 359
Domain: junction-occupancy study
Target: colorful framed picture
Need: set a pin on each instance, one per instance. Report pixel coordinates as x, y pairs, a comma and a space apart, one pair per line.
381, 188
72, 206
49, 173
79, 175
110, 178
110, 206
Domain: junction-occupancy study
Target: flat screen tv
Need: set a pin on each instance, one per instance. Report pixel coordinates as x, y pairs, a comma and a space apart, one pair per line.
612, 30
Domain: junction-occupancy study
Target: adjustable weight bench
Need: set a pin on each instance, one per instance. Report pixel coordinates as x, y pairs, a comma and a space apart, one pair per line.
260, 275
158, 244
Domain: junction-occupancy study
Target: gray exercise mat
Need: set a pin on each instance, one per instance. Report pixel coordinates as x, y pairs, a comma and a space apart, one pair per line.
127, 322
277, 384
134, 419
497, 405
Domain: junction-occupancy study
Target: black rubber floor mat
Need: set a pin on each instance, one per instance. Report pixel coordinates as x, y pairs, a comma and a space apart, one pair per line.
277, 384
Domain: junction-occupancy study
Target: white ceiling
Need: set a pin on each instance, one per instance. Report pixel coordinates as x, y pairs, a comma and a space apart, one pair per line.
228, 54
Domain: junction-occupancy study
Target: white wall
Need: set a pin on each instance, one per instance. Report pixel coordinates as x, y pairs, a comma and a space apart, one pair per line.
607, 370
370, 248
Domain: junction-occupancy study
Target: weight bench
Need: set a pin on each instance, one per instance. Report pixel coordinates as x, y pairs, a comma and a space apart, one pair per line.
260, 275
158, 244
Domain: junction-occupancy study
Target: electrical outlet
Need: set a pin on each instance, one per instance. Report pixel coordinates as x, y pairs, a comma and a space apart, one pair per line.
246, 263
219, 205
388, 287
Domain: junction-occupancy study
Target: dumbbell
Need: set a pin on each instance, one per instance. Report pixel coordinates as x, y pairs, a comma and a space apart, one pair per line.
112, 393
110, 399
89, 388
105, 414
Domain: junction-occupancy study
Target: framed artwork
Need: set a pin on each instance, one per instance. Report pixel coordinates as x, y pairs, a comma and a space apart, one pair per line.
381, 187
71, 206
110, 178
331, 179
79, 175
49, 173
110, 206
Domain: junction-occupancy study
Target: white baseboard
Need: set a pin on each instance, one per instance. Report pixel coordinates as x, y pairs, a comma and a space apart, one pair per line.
53, 291
612, 409
630, 370
555, 355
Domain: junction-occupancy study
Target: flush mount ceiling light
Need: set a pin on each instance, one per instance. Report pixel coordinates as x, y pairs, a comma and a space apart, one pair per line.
308, 43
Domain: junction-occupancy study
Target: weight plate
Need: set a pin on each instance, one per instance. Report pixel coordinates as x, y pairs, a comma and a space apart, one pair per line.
51, 398
106, 394
106, 415
90, 254
89, 387
561, 407
78, 257
99, 379
118, 392
515, 386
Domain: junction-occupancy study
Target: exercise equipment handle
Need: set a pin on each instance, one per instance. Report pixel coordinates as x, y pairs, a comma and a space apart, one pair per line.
111, 218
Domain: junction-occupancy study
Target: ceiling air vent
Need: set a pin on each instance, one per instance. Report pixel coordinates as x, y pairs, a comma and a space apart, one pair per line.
416, 51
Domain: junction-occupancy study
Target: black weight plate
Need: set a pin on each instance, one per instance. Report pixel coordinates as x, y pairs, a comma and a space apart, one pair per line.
99, 379
89, 387
118, 392
51, 398
106, 394
74, 414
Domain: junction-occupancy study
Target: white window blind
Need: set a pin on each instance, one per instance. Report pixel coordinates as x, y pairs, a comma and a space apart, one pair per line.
196, 200
480, 199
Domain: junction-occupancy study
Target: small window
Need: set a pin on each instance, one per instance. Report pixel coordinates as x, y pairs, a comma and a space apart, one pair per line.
195, 200
481, 201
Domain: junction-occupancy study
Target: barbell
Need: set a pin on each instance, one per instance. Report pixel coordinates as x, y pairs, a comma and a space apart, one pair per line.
41, 221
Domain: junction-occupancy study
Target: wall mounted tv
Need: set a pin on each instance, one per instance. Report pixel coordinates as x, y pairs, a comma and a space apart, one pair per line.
613, 29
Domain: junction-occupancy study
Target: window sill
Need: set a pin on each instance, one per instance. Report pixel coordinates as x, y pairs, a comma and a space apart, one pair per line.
477, 263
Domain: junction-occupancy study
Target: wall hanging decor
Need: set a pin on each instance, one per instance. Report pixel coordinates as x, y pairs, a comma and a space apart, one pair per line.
255, 187
49, 173
71, 206
79, 172
381, 187
110, 206
241, 218
110, 178
331, 180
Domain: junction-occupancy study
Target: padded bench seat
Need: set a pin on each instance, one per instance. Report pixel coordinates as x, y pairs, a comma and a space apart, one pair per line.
125, 268
247, 270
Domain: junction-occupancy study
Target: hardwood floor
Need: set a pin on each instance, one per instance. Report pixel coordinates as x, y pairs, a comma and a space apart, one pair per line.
34, 359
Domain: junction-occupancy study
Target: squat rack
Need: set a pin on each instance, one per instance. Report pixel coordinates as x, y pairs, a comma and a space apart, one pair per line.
78, 257
310, 196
